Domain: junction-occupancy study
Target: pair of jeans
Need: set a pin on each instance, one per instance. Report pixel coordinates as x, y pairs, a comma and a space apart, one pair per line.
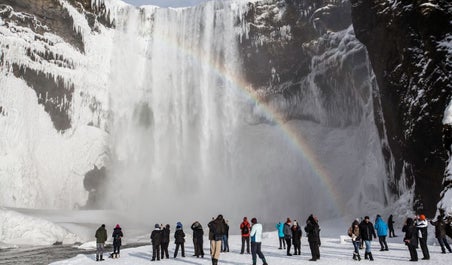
224, 243
356, 245
368, 246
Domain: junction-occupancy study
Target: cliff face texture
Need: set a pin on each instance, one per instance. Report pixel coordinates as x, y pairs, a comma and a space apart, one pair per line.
408, 43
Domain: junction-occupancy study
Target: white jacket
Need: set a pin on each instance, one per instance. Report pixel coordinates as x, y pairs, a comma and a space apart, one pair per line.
256, 233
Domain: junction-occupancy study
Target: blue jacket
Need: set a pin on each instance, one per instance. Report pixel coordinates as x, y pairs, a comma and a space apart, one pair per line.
381, 227
280, 227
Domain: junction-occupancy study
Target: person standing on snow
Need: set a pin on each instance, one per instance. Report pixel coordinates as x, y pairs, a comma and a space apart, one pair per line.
280, 228
382, 232
312, 229
440, 234
288, 235
198, 239
296, 238
101, 237
366, 230
165, 241
156, 240
179, 239
353, 232
224, 241
421, 225
410, 238
217, 229
256, 241
117, 235
391, 226
245, 232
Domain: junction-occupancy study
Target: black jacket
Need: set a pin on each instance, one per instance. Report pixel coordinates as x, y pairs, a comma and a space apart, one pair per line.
117, 235
217, 229
166, 235
156, 237
296, 234
179, 236
313, 230
366, 230
198, 232
410, 233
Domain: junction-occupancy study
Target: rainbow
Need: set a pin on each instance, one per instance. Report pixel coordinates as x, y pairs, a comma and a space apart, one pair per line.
291, 134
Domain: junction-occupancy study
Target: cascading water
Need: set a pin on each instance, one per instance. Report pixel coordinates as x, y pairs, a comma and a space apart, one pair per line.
187, 136
184, 130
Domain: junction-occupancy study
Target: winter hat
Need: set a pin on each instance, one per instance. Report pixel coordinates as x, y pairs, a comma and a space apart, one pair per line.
254, 220
178, 225
117, 226
422, 217
157, 226
295, 223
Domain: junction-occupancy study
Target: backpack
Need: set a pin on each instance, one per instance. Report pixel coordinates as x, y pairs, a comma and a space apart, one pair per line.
245, 230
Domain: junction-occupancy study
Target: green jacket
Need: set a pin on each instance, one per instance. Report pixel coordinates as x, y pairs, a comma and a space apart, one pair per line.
101, 235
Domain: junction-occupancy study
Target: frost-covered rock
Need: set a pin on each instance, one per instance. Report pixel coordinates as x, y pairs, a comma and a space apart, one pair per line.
409, 46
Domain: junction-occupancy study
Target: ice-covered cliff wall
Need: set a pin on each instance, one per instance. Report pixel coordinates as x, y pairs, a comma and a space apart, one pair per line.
409, 47
236, 101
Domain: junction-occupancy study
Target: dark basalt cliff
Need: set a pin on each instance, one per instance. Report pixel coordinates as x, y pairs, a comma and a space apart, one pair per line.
405, 42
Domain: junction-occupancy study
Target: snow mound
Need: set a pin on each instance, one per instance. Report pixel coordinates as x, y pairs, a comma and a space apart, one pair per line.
16, 228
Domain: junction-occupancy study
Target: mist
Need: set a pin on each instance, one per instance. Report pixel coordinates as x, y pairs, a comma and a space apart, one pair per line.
189, 141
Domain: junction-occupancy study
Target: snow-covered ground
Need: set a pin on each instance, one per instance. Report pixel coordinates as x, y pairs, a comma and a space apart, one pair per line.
44, 227
331, 251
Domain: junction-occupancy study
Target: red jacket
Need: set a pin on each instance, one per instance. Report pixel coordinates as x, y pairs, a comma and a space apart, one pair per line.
242, 225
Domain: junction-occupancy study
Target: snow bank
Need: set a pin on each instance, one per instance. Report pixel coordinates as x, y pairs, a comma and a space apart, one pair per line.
16, 228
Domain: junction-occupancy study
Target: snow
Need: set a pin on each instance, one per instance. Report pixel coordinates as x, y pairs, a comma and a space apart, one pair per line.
331, 251
199, 137
448, 114
17, 228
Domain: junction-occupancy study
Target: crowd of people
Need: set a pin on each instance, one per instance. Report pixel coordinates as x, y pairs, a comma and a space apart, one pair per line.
361, 232
415, 229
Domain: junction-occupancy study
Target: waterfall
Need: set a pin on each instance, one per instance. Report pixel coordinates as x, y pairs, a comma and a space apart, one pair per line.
184, 130
164, 96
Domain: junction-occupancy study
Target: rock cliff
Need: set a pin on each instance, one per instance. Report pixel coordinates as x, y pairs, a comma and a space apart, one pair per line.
408, 43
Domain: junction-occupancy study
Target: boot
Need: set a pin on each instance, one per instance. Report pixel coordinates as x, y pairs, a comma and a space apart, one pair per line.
101, 258
370, 256
366, 255
359, 257
264, 261
254, 261
354, 256
214, 262
97, 257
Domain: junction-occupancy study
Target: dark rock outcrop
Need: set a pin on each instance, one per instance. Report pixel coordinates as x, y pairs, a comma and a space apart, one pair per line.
405, 42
